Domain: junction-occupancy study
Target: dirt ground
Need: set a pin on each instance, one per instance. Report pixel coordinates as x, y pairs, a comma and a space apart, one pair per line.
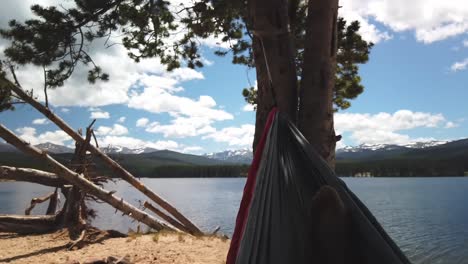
150, 248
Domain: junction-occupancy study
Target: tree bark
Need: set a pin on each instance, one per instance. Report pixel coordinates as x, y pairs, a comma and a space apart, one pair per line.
274, 58
116, 168
27, 224
84, 184
31, 175
318, 78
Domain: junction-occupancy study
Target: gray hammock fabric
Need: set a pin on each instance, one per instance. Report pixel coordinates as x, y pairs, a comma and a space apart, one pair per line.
277, 226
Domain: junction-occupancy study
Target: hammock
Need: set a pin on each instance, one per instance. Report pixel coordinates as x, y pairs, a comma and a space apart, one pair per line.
274, 221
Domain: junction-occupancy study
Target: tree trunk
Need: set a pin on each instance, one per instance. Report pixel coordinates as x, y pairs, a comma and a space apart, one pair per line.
274, 58
28, 224
31, 175
318, 78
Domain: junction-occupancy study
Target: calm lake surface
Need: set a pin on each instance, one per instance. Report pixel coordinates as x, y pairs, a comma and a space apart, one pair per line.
427, 217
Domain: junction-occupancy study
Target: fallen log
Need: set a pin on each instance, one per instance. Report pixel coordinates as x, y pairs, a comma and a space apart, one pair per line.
22, 224
119, 170
81, 182
165, 217
31, 175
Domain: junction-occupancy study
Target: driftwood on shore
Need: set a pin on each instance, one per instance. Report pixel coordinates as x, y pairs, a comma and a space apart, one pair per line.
28, 224
81, 182
116, 168
31, 175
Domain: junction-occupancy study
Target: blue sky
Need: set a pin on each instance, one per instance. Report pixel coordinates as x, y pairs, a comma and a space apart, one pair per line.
416, 88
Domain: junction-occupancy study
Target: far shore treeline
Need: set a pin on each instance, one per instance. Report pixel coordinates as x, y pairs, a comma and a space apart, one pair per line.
171, 165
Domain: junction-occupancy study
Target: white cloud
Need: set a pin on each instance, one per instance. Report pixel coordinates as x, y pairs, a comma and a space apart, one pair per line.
248, 108
181, 127
142, 122
115, 130
184, 74
430, 20
451, 125
216, 42
459, 66
191, 117
234, 136
465, 43
368, 31
121, 119
65, 110
30, 135
383, 128
192, 149
159, 101
40, 121
100, 115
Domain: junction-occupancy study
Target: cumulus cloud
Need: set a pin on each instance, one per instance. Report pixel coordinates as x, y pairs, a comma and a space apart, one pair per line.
430, 20
248, 108
121, 119
191, 117
142, 122
100, 115
40, 121
156, 100
451, 125
234, 136
115, 130
384, 128
192, 150
30, 135
181, 127
459, 66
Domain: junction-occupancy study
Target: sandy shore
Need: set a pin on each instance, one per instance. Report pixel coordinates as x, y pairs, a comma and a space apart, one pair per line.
151, 248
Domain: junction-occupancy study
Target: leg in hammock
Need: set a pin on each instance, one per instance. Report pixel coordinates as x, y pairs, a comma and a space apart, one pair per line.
330, 221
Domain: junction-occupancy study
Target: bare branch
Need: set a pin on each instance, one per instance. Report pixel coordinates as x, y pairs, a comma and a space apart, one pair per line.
38, 200
81, 182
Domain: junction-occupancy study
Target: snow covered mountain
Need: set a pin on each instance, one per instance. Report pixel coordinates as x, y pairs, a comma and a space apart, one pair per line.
57, 149
125, 150
54, 148
242, 156
382, 147
379, 151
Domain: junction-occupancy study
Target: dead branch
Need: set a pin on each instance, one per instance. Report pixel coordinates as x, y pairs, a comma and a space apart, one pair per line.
38, 200
81, 182
119, 170
31, 175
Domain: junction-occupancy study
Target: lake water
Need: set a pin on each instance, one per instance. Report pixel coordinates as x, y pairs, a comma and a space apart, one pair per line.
427, 217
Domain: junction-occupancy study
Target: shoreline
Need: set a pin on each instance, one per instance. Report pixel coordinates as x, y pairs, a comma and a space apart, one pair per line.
163, 247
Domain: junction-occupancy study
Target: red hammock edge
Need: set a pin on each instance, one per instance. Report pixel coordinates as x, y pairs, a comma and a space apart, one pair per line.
242, 215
